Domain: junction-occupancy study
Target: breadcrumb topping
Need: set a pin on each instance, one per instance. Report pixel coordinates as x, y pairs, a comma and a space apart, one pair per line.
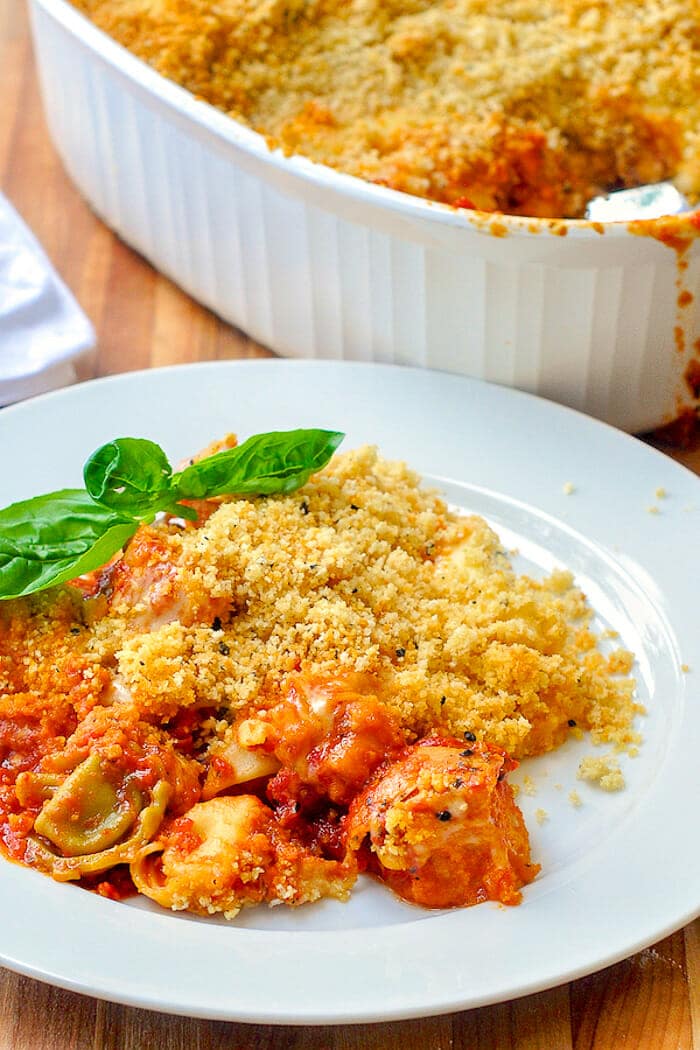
516, 106
363, 570
603, 770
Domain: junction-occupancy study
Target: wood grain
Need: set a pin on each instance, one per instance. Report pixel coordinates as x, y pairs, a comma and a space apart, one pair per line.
648, 1002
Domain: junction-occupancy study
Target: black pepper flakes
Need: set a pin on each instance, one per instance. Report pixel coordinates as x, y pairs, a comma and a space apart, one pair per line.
401, 653
471, 737
224, 649
216, 623
304, 507
443, 701
467, 754
571, 723
458, 782
75, 630
444, 814
353, 506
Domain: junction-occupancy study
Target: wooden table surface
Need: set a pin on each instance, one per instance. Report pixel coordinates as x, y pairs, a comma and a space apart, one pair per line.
648, 1002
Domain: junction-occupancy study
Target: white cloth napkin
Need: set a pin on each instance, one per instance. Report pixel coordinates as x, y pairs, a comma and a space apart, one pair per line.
43, 331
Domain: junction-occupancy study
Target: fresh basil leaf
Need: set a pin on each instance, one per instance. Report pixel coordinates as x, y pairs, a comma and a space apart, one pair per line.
53, 538
277, 462
131, 475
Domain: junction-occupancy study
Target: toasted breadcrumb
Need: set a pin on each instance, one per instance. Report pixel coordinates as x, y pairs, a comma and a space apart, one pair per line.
568, 488
603, 770
541, 816
620, 661
362, 570
516, 106
575, 799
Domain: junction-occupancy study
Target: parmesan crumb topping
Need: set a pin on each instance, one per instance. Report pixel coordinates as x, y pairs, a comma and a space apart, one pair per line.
518, 106
603, 770
362, 570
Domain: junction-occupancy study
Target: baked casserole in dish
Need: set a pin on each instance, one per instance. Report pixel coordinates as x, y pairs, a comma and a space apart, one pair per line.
404, 183
520, 107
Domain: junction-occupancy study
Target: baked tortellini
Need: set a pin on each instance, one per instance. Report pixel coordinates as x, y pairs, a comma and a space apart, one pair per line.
300, 797
229, 852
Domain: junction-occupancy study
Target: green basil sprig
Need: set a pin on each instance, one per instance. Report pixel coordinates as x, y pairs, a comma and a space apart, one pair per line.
50, 539
131, 475
263, 465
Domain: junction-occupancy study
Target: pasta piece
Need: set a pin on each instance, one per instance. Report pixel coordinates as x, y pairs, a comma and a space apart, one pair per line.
91, 811
129, 746
66, 868
235, 764
100, 799
229, 852
332, 732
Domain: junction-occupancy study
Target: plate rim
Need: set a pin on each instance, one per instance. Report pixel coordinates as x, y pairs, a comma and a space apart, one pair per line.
153, 1001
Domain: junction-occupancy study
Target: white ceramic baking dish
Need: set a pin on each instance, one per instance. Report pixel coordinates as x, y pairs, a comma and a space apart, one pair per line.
313, 263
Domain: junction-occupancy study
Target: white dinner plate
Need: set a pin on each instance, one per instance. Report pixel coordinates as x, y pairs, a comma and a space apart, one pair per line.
618, 872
